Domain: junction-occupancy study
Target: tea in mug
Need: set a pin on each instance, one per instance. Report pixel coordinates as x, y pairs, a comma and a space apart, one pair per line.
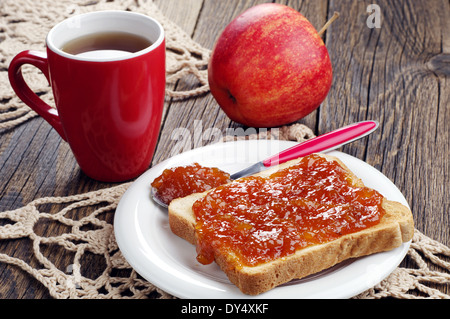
106, 45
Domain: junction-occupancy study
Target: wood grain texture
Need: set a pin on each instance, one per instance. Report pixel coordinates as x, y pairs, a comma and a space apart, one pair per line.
398, 74
385, 74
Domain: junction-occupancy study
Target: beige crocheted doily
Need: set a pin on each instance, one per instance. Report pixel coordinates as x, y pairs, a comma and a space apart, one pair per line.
23, 25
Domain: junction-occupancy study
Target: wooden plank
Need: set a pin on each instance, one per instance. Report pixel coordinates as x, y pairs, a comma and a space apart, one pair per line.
203, 114
201, 111
183, 13
383, 74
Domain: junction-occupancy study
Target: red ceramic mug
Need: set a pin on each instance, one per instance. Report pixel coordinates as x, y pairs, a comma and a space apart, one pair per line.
108, 108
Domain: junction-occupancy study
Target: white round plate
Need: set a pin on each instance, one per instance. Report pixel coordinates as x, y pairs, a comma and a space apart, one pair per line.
145, 240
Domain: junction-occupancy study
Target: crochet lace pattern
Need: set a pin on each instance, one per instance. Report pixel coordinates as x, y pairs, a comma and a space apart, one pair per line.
24, 25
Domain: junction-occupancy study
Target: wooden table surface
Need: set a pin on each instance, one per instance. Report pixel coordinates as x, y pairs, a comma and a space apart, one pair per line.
398, 74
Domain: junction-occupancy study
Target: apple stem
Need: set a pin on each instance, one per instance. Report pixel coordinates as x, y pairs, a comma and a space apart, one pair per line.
334, 17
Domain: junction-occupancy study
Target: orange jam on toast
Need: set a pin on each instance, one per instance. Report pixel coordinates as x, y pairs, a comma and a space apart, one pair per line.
259, 219
182, 181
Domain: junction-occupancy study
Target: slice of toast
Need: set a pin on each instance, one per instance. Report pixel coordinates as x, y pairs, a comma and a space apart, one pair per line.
395, 227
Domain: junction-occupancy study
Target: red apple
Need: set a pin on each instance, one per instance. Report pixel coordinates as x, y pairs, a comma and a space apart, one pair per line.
269, 67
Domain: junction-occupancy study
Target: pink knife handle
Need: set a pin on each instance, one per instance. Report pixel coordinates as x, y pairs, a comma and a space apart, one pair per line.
328, 141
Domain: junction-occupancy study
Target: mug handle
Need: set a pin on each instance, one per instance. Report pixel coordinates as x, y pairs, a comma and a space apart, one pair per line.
23, 91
